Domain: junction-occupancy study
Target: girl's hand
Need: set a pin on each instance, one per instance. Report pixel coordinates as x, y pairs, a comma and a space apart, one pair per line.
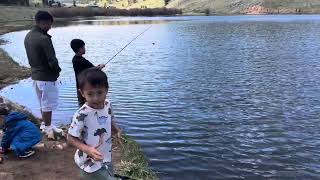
94, 153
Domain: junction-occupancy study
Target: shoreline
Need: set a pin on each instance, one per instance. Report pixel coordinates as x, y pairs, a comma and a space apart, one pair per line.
128, 158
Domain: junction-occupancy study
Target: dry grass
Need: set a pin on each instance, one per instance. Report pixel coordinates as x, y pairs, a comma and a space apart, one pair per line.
124, 4
88, 12
16, 13
240, 6
133, 163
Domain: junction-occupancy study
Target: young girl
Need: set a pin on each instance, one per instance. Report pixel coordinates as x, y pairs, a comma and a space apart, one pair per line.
90, 130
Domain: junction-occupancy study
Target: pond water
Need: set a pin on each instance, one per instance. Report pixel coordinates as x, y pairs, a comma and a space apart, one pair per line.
233, 97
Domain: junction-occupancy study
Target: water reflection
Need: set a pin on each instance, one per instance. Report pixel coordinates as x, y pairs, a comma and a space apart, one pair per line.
107, 22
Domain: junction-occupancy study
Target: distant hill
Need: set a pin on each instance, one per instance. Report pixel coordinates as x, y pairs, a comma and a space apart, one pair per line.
122, 4
247, 6
204, 6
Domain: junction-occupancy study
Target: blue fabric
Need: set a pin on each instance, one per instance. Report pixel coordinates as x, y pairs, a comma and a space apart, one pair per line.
19, 133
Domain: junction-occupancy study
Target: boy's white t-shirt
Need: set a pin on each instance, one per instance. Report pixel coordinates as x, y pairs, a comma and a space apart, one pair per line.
93, 127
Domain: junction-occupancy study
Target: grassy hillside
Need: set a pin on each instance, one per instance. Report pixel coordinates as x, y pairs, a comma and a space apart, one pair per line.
132, 3
241, 6
291, 3
122, 4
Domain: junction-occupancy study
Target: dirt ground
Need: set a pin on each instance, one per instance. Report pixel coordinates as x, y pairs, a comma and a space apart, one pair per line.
53, 160
45, 164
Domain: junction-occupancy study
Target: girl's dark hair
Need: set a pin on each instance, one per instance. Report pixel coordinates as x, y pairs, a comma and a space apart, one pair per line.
4, 110
43, 16
93, 76
76, 44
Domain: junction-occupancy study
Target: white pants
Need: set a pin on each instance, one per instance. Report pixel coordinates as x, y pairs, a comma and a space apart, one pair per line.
48, 95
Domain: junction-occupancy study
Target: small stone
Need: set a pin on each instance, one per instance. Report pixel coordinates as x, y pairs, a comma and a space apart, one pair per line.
65, 145
59, 146
40, 145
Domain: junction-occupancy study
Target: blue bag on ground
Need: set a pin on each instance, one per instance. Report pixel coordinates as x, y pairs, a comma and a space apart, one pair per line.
19, 133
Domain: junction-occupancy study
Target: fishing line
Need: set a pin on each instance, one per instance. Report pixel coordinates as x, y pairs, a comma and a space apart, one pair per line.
127, 45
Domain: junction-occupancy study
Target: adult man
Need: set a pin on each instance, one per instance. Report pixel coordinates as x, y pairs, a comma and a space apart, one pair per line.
45, 69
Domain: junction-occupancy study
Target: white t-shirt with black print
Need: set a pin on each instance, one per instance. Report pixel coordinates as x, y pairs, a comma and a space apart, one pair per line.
93, 127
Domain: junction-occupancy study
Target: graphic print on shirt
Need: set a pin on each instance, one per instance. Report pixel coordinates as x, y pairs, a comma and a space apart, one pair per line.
84, 132
89, 162
101, 120
100, 132
109, 141
109, 111
81, 117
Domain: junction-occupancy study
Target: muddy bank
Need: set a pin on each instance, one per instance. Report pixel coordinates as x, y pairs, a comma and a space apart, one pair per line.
10, 71
13, 18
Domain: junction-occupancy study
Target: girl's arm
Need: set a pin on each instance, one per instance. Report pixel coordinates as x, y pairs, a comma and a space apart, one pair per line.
91, 151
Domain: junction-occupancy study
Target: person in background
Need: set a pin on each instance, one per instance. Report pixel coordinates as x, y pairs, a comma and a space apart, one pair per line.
80, 64
45, 69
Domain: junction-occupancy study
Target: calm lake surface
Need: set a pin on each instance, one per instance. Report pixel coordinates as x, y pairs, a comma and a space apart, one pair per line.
206, 97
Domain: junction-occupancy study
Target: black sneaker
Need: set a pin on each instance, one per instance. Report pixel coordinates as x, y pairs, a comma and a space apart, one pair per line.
26, 154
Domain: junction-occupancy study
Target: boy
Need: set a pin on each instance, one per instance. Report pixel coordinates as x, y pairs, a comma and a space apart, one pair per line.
80, 64
20, 134
90, 130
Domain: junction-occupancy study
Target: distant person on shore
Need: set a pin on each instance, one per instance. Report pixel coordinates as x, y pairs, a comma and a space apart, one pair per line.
92, 126
80, 64
45, 69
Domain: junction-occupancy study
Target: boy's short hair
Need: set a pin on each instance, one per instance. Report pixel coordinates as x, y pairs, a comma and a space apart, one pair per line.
43, 16
93, 76
76, 44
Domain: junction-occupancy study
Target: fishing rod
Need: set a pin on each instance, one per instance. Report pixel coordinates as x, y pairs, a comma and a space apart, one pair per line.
127, 45
66, 79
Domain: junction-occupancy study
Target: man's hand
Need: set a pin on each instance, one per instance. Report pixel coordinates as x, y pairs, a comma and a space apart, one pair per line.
94, 153
101, 66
